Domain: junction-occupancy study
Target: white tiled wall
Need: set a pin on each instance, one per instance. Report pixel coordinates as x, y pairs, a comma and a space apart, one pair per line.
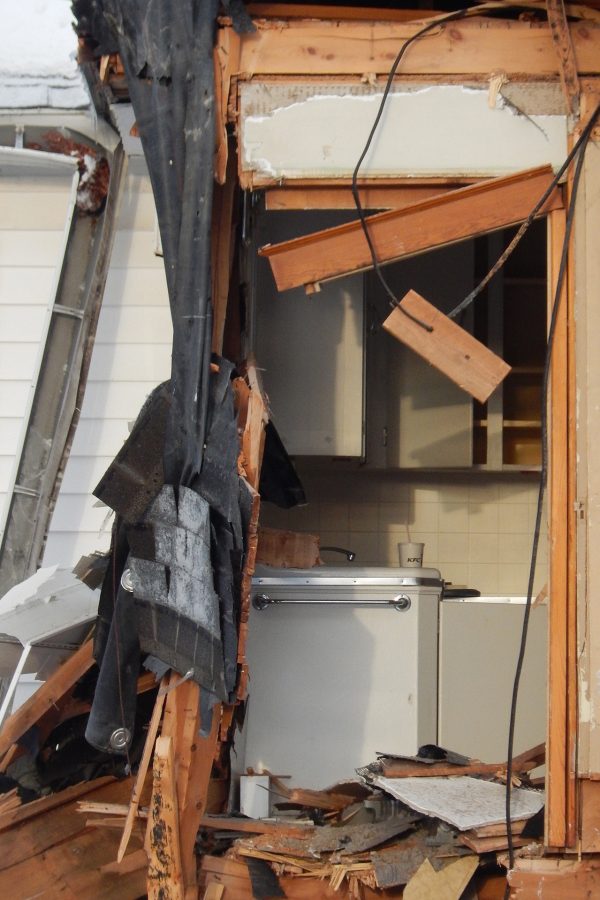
477, 528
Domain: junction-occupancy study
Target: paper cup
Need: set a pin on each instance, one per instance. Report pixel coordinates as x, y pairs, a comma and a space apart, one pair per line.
410, 554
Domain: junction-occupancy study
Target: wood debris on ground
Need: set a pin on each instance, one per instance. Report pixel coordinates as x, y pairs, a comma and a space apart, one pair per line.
353, 840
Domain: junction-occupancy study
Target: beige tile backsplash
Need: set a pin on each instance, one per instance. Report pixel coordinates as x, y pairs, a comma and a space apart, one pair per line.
477, 528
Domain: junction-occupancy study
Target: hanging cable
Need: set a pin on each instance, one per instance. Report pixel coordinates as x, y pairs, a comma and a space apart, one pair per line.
581, 141
457, 14
581, 146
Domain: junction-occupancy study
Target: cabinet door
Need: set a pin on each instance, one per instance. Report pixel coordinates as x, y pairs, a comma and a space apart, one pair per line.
311, 351
428, 419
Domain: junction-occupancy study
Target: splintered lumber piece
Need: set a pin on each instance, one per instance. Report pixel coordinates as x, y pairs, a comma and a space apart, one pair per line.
491, 844
49, 693
255, 826
222, 245
287, 549
142, 770
253, 438
399, 233
406, 768
448, 347
447, 884
328, 800
165, 877
567, 64
194, 756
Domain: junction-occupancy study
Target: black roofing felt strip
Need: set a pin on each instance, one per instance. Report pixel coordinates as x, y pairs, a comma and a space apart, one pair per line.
167, 51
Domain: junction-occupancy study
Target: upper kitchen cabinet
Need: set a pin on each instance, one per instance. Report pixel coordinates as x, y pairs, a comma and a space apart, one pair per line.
310, 348
511, 318
418, 418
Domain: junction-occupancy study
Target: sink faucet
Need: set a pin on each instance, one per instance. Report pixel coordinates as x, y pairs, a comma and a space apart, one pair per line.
349, 554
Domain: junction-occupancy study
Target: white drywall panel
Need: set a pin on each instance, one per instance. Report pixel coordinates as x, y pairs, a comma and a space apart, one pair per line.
299, 131
132, 354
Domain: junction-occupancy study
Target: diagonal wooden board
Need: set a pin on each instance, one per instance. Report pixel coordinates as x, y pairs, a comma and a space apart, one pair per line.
448, 347
399, 233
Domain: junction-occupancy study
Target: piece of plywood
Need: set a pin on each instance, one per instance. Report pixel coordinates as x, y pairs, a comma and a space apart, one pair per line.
447, 346
397, 234
447, 884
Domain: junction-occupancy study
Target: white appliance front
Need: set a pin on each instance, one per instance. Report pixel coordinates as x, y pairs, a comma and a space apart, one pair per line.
331, 685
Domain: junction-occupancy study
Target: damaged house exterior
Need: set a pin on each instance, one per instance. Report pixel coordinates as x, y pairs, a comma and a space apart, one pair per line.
299, 470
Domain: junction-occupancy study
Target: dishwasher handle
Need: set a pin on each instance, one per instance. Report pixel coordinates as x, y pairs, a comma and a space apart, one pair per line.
401, 602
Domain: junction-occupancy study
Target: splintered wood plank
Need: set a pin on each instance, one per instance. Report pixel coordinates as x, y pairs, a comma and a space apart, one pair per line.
490, 844
194, 756
49, 693
448, 347
451, 217
288, 549
567, 64
226, 62
38, 807
222, 247
165, 877
142, 770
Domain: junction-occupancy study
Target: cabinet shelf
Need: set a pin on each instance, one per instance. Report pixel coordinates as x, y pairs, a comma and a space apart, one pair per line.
510, 423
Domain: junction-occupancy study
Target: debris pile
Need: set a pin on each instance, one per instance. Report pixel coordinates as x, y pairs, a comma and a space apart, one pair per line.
416, 823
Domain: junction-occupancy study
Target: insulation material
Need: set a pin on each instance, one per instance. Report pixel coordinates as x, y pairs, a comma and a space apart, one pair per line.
299, 131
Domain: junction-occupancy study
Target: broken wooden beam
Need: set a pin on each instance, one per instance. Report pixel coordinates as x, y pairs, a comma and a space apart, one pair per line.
451, 217
446, 346
47, 695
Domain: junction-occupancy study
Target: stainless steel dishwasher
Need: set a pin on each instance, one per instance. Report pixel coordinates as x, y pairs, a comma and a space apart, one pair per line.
343, 663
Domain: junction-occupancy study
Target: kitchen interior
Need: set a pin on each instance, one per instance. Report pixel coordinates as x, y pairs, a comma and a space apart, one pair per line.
389, 450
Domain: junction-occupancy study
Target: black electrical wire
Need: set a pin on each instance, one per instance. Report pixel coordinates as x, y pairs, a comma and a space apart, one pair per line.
581, 147
457, 14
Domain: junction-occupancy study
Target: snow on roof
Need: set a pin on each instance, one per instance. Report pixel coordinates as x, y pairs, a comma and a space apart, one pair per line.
38, 52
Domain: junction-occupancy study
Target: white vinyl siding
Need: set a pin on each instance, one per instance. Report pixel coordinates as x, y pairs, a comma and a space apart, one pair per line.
132, 354
35, 202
